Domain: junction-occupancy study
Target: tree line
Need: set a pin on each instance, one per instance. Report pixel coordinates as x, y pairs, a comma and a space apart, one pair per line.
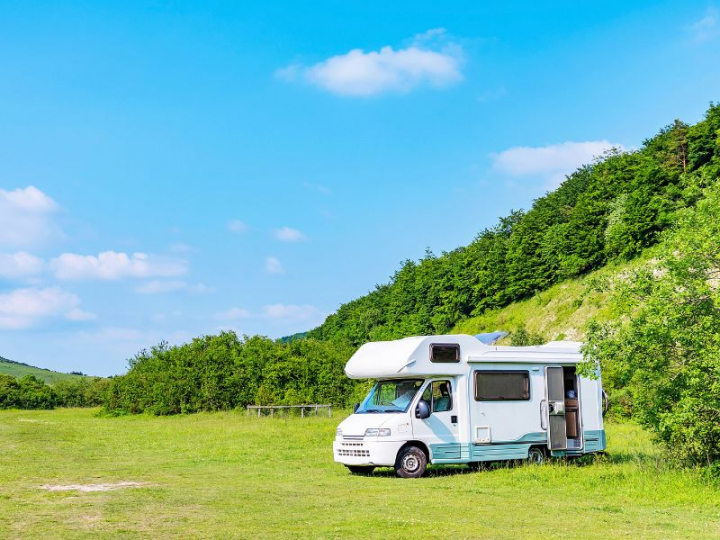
605, 211
29, 392
661, 353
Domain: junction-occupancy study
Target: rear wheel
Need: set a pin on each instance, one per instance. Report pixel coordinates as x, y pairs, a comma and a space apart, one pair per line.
411, 462
360, 469
536, 456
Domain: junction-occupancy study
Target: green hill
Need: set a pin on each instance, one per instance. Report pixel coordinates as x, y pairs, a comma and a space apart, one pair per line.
18, 369
606, 213
536, 271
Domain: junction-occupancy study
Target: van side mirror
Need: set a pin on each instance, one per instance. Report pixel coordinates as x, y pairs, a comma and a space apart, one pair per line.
422, 410
356, 407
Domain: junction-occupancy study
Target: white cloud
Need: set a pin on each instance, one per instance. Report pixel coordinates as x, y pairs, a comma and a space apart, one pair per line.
158, 287
273, 266
111, 265
317, 187
77, 314
233, 314
552, 162
287, 234
180, 248
707, 28
23, 308
119, 334
19, 265
201, 288
361, 74
492, 95
291, 312
236, 226
26, 217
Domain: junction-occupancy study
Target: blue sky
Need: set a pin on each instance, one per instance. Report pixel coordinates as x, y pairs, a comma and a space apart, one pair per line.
172, 169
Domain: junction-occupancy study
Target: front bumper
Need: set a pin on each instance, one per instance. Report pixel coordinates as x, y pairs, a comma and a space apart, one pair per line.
366, 452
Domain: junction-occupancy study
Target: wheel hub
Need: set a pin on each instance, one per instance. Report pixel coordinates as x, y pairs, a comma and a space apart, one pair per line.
410, 463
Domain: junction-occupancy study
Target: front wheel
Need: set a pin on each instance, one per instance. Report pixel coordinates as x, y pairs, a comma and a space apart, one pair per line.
411, 462
360, 469
536, 456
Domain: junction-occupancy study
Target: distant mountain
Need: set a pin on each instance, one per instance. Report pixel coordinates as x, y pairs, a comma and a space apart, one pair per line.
294, 337
18, 369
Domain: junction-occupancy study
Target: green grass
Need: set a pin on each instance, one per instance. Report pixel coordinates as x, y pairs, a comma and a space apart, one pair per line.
16, 369
225, 475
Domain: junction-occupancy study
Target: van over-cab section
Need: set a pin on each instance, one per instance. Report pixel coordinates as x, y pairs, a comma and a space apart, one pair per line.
454, 399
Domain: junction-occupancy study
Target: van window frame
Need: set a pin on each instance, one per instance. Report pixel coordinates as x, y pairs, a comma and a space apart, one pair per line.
431, 401
525, 372
455, 346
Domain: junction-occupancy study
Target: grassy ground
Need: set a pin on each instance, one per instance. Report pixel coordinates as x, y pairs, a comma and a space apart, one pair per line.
16, 369
229, 476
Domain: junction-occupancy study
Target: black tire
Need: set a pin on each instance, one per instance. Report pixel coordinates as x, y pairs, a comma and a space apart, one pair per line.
361, 470
411, 462
537, 455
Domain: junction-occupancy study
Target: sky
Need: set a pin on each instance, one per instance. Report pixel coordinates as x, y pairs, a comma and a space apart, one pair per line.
174, 169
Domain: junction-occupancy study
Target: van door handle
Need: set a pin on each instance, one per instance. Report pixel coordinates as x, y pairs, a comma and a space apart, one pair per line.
543, 419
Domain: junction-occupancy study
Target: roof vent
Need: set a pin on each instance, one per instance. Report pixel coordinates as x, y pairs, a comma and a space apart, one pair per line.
491, 338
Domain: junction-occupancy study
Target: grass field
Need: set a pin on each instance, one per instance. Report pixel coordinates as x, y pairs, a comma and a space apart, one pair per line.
228, 476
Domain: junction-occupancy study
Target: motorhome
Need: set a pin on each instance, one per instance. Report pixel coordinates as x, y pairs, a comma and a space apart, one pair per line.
454, 399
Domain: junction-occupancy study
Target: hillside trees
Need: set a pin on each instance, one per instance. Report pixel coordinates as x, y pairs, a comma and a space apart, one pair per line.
608, 210
664, 346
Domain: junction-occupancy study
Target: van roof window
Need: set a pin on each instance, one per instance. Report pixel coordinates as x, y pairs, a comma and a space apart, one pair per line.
445, 352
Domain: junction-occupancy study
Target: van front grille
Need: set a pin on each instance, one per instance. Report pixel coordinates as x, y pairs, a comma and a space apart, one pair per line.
353, 453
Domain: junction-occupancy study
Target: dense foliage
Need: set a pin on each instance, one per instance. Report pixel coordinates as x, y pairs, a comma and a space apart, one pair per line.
29, 392
221, 372
606, 211
663, 349
609, 210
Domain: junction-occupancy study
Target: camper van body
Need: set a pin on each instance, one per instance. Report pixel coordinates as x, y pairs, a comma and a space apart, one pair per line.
481, 403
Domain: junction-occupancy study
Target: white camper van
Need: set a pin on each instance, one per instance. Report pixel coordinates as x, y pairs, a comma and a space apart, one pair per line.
455, 399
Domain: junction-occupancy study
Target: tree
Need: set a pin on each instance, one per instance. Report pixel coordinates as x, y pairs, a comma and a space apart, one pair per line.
664, 345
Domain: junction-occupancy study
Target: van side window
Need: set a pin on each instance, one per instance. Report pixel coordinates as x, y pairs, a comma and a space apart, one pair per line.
441, 396
444, 352
502, 385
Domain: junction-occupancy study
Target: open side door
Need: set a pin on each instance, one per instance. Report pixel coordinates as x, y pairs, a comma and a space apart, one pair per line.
555, 410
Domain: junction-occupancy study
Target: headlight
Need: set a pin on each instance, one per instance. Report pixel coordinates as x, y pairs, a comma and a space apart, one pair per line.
375, 432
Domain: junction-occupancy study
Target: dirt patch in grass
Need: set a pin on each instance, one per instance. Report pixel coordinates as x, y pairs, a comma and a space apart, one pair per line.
92, 487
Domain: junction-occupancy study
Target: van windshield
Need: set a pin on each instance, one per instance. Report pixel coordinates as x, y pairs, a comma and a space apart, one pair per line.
390, 396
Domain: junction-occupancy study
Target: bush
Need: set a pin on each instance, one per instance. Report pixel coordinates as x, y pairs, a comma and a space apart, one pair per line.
27, 392
224, 372
663, 348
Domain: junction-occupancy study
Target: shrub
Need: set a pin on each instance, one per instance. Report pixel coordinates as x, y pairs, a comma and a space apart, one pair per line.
664, 345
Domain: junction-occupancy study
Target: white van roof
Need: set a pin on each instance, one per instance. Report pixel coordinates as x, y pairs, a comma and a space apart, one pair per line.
411, 356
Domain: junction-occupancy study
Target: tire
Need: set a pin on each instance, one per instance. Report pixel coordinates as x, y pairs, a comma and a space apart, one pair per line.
411, 462
360, 470
536, 456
